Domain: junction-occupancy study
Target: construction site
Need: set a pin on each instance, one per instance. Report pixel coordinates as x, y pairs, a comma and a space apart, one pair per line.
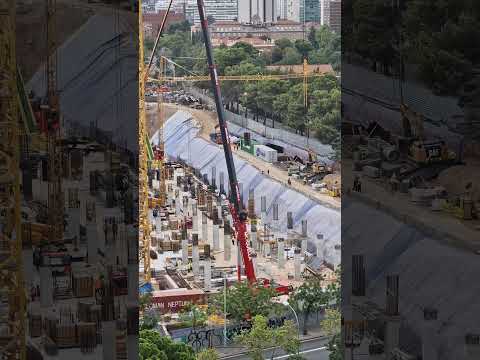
226, 205
70, 244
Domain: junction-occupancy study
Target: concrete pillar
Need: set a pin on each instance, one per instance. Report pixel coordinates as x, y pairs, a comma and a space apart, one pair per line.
46, 287
109, 340
429, 338
132, 347
281, 253
207, 275
319, 247
253, 236
194, 217
304, 237
227, 242
204, 227
275, 217
184, 252
92, 244
263, 209
392, 326
297, 265
254, 262
472, 347
216, 238
195, 256
266, 248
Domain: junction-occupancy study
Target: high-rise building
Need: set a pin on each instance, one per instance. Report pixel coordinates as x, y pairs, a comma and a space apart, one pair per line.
282, 9
219, 10
293, 10
335, 16
324, 12
310, 11
257, 11
177, 6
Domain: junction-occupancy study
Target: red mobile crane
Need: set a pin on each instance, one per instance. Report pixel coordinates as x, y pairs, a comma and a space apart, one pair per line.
238, 214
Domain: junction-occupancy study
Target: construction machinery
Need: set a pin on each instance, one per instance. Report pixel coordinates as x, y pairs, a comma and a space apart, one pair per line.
419, 149
239, 216
144, 224
51, 113
12, 289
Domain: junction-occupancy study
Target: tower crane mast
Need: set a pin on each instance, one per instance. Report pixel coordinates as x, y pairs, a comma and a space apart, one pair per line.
12, 288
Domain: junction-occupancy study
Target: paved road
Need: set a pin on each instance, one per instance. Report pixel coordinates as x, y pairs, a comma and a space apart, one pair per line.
313, 349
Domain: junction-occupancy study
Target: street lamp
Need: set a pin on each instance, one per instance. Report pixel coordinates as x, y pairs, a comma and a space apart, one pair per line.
286, 303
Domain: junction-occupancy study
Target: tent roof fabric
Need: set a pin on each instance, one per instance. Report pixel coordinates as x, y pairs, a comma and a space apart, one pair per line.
92, 76
182, 143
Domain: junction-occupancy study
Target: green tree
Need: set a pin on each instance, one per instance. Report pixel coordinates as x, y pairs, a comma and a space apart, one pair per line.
335, 348
283, 43
310, 297
149, 320
261, 337
145, 301
332, 321
183, 26
303, 47
291, 56
208, 354
245, 301
312, 37
153, 346
193, 316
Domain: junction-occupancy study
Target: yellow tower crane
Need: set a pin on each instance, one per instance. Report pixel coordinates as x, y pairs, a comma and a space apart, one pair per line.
144, 223
12, 290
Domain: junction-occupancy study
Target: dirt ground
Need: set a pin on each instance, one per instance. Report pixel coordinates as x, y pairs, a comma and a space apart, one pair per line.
208, 120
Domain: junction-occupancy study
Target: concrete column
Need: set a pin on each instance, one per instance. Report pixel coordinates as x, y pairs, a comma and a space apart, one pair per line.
216, 238
429, 338
304, 237
227, 242
185, 251
263, 209
207, 278
472, 347
281, 253
319, 247
266, 248
195, 256
132, 347
46, 287
92, 244
204, 227
109, 340
392, 334
254, 262
297, 265
253, 236
194, 217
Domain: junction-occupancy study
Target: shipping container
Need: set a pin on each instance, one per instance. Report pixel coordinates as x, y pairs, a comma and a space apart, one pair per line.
266, 153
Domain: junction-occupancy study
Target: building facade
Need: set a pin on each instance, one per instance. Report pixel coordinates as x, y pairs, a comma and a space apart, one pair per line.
281, 29
310, 11
293, 10
335, 16
257, 11
325, 12
220, 10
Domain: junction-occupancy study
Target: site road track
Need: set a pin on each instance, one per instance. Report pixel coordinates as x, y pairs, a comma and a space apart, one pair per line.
310, 349
207, 121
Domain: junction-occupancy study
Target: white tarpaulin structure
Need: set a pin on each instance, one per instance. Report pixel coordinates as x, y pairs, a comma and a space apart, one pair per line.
428, 273
181, 143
